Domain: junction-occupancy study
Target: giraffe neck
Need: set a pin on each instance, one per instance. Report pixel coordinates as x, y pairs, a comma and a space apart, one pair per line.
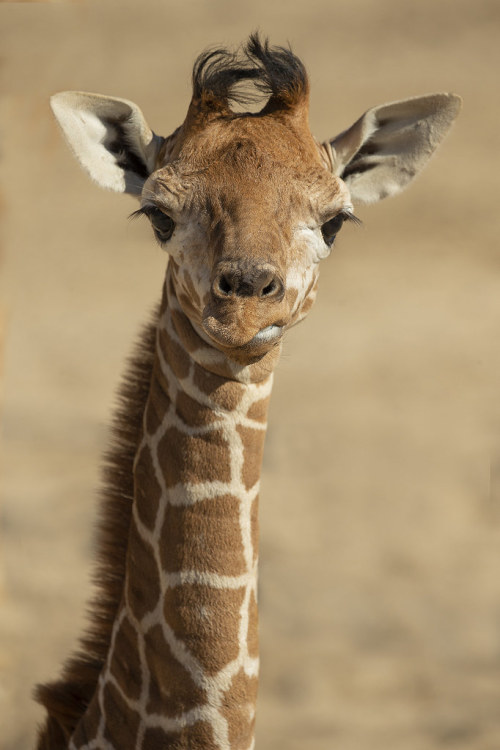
182, 667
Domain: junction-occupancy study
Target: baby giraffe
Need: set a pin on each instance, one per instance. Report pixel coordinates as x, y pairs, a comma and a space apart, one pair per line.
246, 205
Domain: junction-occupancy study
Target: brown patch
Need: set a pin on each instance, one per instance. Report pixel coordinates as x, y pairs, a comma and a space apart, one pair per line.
253, 448
191, 291
186, 332
125, 665
223, 393
307, 304
253, 627
207, 621
172, 273
143, 581
197, 737
194, 458
309, 297
208, 382
158, 401
187, 306
291, 297
205, 537
254, 527
122, 722
172, 690
192, 413
175, 355
262, 369
258, 410
89, 725
147, 489
239, 710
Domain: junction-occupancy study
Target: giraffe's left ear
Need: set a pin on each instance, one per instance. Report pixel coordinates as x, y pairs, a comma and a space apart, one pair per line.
389, 145
109, 137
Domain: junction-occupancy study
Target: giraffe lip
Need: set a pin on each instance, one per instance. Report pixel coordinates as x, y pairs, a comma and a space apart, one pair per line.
267, 334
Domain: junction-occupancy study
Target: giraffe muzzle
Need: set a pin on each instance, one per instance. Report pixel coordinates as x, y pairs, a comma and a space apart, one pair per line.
246, 313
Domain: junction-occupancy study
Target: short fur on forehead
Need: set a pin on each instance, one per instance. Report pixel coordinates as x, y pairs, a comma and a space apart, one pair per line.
218, 76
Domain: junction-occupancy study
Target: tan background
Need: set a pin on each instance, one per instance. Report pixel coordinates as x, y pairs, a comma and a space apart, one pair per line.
380, 576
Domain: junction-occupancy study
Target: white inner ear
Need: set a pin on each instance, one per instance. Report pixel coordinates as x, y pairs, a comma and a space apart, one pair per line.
90, 135
109, 137
94, 128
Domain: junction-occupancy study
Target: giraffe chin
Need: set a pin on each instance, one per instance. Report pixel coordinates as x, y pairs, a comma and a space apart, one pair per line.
239, 347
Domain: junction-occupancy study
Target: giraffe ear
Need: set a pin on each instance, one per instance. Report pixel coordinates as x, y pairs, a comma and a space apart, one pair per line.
389, 145
109, 137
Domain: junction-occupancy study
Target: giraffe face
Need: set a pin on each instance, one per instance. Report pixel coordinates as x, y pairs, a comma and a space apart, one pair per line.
246, 210
247, 204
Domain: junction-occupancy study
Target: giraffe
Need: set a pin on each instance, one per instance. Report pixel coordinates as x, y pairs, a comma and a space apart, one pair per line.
246, 204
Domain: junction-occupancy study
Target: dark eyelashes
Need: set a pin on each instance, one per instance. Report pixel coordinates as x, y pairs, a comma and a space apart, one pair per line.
144, 211
136, 214
348, 216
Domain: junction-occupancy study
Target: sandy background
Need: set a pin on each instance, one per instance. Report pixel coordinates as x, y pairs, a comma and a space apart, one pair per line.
380, 576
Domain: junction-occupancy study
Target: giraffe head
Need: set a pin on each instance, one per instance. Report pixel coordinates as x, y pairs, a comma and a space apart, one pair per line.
247, 204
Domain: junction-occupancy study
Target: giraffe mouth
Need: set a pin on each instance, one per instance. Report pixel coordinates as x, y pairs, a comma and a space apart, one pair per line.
268, 335
236, 342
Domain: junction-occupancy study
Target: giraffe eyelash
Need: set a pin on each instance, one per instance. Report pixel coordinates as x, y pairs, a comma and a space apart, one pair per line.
136, 214
143, 211
349, 216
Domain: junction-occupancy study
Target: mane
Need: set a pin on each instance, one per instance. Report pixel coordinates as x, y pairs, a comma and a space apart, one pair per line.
275, 72
67, 699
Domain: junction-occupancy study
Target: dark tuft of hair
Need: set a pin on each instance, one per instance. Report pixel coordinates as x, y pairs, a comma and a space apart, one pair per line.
219, 77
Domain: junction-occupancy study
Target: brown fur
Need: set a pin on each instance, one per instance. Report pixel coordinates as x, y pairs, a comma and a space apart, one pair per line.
66, 700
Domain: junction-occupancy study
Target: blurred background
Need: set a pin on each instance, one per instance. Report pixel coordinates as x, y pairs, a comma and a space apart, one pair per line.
380, 512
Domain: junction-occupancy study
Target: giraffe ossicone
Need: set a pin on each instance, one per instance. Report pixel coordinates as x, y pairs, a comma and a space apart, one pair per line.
246, 205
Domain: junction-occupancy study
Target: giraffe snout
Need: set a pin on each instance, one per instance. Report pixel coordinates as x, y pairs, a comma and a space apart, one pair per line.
239, 278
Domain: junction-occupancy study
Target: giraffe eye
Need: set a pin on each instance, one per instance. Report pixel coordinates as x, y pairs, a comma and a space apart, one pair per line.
162, 224
330, 228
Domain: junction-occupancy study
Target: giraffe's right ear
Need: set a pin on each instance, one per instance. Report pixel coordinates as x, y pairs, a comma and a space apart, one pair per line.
109, 137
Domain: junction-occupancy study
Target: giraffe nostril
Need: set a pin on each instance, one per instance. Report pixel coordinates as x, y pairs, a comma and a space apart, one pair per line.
224, 285
269, 289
